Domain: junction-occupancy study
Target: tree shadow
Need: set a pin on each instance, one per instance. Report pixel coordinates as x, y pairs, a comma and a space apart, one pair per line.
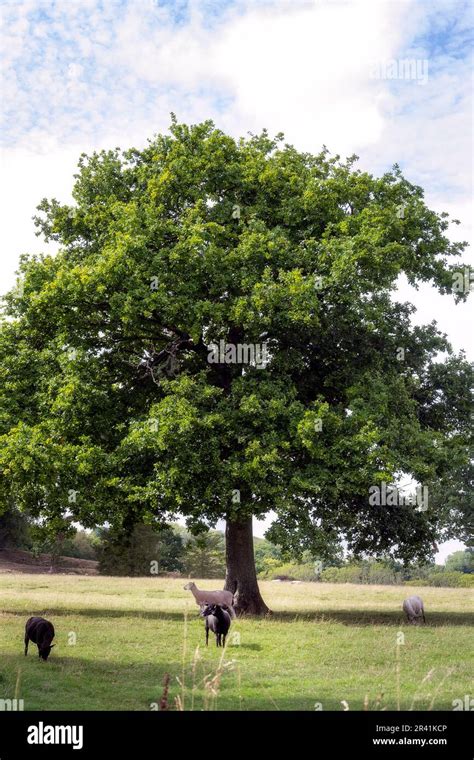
70, 682
101, 613
66, 683
345, 617
253, 647
373, 617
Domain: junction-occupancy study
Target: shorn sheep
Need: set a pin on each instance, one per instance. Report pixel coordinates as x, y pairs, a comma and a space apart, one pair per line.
223, 598
41, 633
218, 621
413, 609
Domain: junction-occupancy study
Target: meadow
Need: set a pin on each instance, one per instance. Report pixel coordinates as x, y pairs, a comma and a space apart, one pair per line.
326, 646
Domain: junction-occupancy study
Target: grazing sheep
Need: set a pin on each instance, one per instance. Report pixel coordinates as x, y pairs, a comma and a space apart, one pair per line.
413, 609
218, 621
41, 633
223, 598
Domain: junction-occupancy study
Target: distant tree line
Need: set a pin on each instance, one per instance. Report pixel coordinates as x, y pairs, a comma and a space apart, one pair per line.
168, 549
458, 570
145, 550
165, 549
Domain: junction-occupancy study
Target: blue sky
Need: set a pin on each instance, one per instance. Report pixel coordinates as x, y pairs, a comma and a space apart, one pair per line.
80, 75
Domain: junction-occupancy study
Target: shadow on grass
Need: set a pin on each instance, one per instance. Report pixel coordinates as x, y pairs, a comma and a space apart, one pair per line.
67, 683
253, 647
75, 683
345, 617
103, 613
373, 617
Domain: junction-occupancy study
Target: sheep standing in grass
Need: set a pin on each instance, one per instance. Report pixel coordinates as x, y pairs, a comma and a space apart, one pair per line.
223, 598
40, 632
413, 609
218, 621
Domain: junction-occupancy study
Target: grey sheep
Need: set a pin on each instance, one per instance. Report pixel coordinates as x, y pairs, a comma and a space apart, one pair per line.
413, 609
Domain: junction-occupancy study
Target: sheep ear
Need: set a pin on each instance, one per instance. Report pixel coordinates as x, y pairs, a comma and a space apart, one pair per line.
53, 645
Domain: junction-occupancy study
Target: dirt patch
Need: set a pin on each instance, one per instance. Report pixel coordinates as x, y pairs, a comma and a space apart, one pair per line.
18, 561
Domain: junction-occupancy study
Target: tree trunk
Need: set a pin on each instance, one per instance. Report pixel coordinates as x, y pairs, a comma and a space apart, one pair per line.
241, 577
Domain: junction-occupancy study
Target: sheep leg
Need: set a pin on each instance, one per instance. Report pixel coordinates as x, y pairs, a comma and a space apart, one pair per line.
207, 635
27, 639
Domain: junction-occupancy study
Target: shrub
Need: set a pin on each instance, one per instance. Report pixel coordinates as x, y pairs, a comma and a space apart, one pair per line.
14, 530
204, 555
346, 574
264, 550
122, 554
82, 546
450, 579
462, 561
274, 569
362, 572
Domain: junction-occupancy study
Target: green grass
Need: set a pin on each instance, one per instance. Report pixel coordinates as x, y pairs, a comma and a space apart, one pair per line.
324, 644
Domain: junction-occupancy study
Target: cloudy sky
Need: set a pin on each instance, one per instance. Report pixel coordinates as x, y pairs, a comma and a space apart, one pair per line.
79, 75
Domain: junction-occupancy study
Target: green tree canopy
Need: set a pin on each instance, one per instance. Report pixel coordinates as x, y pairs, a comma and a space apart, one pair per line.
461, 561
113, 409
144, 551
204, 556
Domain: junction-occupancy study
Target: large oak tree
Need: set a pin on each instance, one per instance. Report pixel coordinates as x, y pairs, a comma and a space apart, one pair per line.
111, 409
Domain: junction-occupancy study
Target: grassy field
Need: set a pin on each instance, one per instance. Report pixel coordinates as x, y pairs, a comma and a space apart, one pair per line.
324, 644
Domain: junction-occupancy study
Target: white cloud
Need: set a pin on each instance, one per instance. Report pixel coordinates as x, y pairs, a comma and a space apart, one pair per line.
26, 178
79, 76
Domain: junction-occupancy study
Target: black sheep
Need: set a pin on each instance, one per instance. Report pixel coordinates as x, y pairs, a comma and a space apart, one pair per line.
218, 621
41, 633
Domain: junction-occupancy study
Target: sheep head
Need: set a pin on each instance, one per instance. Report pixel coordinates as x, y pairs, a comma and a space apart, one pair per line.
44, 652
209, 609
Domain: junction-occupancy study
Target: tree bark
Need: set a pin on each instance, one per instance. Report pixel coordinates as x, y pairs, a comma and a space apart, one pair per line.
241, 577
